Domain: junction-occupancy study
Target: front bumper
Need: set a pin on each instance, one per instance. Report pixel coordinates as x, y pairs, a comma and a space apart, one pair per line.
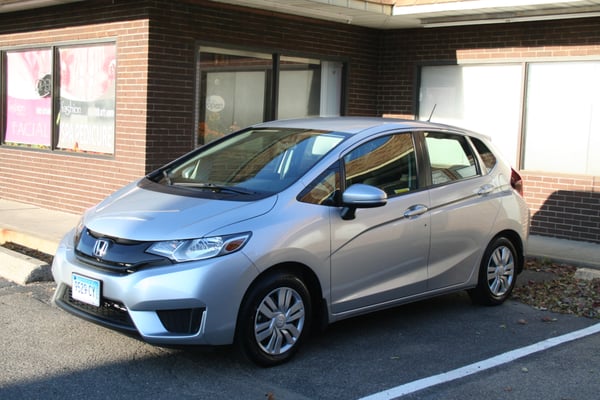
187, 303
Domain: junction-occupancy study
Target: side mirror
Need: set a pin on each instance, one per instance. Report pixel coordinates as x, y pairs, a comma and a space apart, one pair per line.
361, 196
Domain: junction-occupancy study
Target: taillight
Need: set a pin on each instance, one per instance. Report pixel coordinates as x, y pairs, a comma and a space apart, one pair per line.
516, 181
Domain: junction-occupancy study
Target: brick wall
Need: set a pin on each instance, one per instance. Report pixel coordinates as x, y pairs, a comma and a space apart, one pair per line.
70, 181
156, 52
404, 51
566, 206
177, 28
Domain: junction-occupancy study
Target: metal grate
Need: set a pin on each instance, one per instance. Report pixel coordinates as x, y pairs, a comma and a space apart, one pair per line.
183, 321
110, 311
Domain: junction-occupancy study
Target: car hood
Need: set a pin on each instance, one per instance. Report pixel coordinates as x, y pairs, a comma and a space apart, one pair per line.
135, 213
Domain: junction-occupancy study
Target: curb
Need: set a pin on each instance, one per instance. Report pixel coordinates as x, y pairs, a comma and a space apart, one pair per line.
23, 269
47, 246
562, 251
587, 273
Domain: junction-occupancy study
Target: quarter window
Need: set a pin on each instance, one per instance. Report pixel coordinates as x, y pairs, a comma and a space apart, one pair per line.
324, 189
488, 158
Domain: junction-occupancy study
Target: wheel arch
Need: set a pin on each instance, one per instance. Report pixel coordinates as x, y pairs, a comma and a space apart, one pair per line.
516, 240
310, 279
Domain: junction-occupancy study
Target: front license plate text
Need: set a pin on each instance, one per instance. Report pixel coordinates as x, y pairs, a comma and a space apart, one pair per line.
86, 290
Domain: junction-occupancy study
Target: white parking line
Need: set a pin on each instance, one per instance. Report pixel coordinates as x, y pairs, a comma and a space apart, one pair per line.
425, 383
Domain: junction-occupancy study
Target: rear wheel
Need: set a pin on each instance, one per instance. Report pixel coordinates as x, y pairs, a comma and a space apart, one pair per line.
274, 319
497, 273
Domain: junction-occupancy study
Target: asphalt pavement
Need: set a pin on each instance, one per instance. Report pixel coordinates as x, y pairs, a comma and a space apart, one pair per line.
49, 354
402, 347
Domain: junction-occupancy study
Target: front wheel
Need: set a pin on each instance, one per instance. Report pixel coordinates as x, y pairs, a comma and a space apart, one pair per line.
497, 273
274, 319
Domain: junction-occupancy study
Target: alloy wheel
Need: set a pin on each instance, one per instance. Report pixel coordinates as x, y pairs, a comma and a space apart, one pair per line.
500, 271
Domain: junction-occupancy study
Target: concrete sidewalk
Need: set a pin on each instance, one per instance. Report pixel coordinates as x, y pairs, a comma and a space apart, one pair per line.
35, 228
42, 229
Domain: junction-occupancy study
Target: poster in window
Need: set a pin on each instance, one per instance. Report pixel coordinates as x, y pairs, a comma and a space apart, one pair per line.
87, 99
29, 98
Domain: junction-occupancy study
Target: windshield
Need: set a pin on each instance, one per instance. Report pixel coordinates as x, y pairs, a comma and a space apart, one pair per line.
253, 161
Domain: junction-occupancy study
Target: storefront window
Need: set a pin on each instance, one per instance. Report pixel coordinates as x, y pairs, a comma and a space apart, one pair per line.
559, 111
86, 122
236, 89
233, 89
483, 98
562, 130
29, 98
302, 78
82, 118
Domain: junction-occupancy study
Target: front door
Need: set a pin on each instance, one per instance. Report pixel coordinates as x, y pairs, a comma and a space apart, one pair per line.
382, 254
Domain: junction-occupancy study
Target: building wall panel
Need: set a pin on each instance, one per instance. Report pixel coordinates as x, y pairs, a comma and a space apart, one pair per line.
561, 206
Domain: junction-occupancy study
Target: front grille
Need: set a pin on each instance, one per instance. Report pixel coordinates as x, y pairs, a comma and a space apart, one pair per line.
116, 267
119, 255
183, 321
110, 312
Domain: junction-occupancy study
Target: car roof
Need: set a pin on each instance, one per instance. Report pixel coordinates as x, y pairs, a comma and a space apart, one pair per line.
355, 124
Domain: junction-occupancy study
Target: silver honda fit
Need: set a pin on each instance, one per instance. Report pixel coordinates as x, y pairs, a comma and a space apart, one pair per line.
259, 236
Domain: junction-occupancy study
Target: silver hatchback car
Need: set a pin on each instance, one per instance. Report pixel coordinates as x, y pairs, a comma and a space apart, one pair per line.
260, 236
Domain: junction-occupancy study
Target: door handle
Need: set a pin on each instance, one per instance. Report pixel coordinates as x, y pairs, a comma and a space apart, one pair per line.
415, 211
485, 189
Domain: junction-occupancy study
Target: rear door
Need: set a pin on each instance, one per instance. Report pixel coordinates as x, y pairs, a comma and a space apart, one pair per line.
465, 202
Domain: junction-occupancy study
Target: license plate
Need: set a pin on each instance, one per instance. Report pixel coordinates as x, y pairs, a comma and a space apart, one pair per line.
86, 290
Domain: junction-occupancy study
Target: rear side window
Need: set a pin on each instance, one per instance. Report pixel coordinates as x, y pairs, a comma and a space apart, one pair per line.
488, 158
451, 158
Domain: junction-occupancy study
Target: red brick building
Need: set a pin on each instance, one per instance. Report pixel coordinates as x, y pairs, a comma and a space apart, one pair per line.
97, 93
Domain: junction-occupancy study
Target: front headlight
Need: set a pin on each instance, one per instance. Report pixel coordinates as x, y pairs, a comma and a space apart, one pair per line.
199, 249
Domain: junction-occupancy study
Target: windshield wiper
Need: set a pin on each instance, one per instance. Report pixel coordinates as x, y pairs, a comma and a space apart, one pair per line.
214, 188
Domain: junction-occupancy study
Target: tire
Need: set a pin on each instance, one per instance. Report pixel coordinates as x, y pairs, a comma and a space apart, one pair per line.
274, 319
497, 273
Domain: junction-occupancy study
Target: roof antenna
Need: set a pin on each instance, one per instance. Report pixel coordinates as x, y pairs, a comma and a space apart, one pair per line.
431, 115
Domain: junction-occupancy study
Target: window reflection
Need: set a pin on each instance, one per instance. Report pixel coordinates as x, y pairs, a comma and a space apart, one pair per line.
387, 163
236, 89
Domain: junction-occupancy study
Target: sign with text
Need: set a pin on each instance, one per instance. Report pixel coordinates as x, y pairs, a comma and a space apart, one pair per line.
29, 97
87, 99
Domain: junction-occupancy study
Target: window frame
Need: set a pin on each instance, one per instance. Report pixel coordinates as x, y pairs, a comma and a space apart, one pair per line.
7, 102
519, 155
272, 78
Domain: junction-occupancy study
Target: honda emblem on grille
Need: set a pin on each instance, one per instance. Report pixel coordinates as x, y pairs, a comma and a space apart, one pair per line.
100, 247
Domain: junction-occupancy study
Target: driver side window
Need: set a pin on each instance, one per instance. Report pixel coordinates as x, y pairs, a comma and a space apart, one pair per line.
387, 162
